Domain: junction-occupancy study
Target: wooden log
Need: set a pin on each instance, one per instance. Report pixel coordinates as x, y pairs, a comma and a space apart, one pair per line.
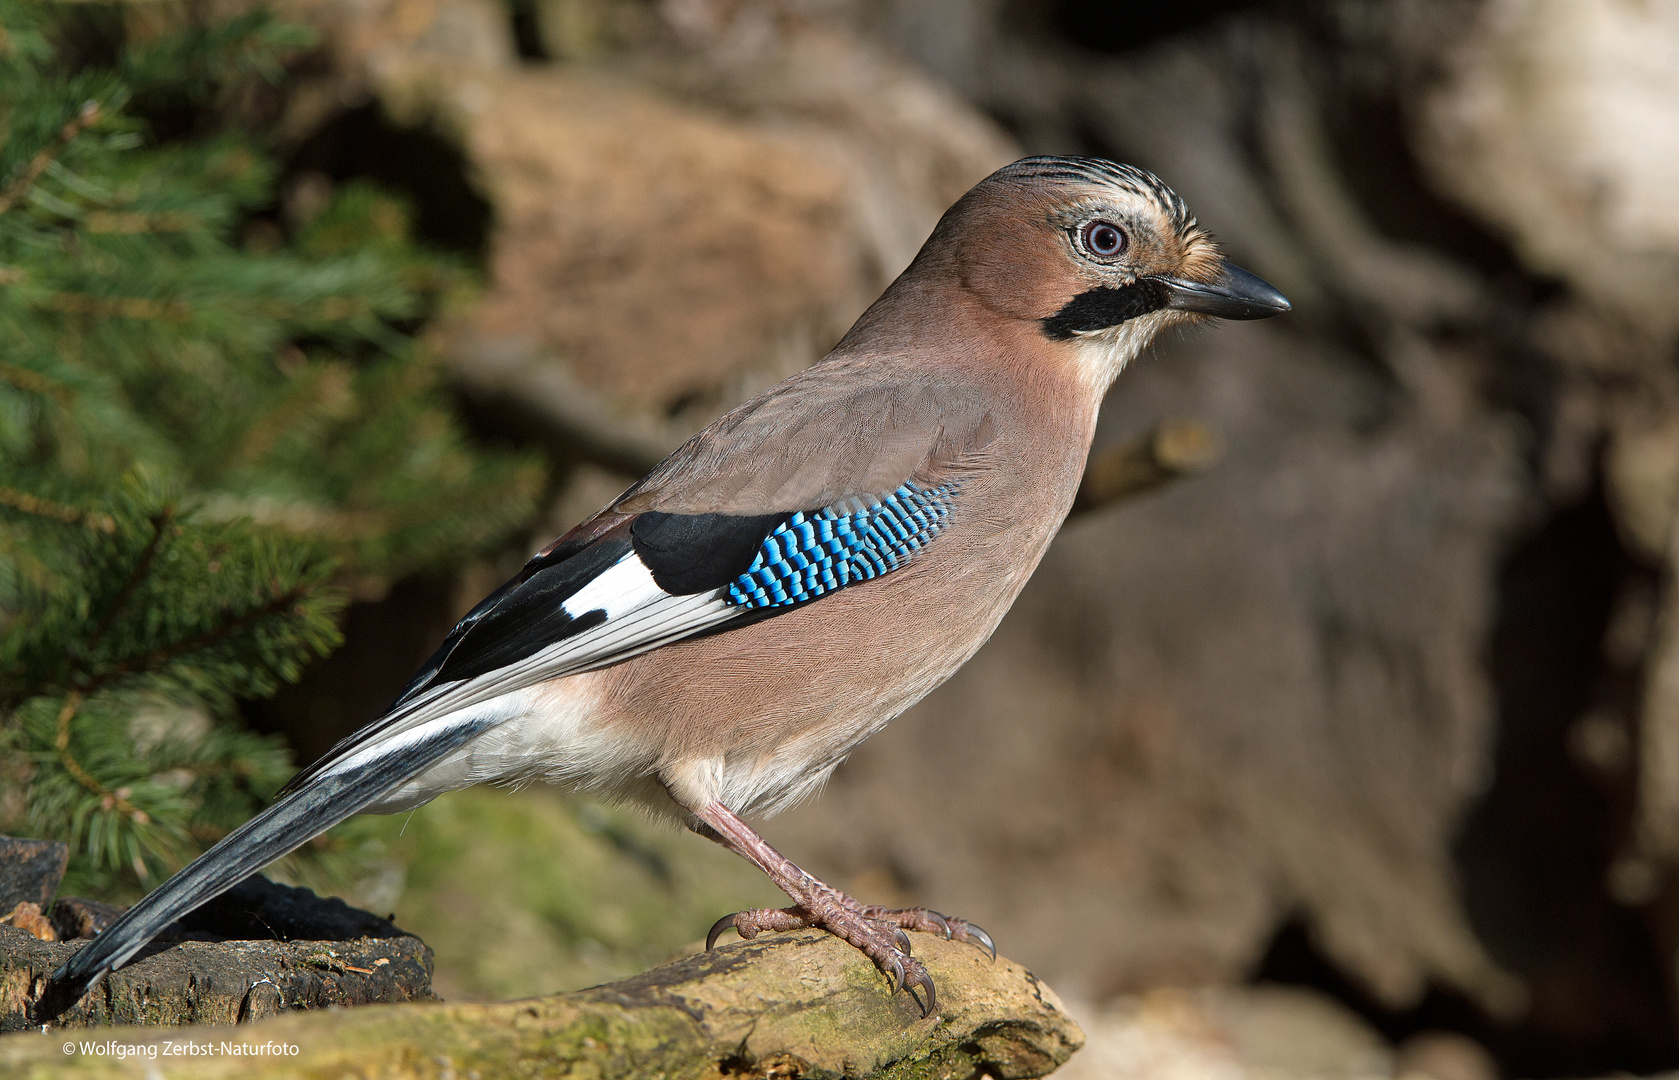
257, 950
30, 871
802, 1004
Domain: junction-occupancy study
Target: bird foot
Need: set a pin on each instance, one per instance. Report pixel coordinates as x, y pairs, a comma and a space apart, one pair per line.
881, 941
929, 921
878, 932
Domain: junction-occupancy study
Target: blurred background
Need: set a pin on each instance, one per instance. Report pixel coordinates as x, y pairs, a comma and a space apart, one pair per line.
1361, 743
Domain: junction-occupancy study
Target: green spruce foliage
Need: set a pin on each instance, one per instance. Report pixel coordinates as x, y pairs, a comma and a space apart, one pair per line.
212, 429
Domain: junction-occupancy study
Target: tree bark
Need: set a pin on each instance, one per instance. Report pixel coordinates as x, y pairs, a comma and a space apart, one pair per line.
257, 950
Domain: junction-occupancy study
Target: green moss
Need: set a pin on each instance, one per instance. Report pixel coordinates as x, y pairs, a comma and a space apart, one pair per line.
537, 891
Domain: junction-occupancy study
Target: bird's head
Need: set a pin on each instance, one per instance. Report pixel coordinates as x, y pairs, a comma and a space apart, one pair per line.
1099, 256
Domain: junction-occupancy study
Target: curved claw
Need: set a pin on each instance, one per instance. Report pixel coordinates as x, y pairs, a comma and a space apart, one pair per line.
903, 943
717, 929
944, 922
896, 971
981, 939
925, 981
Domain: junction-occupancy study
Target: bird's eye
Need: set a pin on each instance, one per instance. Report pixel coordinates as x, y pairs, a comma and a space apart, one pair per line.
1104, 238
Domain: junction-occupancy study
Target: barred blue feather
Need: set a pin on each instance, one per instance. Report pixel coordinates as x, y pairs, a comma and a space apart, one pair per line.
815, 553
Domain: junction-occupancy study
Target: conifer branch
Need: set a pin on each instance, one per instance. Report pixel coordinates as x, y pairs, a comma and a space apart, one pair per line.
157, 657
29, 504
127, 307
135, 221
309, 519
34, 382
329, 309
313, 391
86, 118
108, 799
160, 522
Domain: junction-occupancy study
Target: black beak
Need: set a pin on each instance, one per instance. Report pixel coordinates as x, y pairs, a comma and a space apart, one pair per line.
1236, 294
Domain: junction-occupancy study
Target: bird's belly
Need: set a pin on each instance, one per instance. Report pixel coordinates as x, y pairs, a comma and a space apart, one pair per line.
552, 735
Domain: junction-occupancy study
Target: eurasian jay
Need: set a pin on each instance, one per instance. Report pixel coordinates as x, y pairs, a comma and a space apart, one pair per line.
718, 639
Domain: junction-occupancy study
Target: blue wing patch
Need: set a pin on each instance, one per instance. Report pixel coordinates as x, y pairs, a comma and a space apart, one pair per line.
812, 554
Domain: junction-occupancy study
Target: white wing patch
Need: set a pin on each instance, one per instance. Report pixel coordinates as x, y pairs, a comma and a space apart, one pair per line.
624, 586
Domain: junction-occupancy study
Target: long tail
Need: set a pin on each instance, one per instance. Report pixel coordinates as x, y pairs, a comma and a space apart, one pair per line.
326, 799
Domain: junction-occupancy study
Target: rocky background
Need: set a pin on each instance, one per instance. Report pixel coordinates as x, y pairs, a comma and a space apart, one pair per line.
1385, 704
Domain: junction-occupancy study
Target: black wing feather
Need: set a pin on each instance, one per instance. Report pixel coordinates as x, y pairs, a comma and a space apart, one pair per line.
566, 564
694, 553
530, 617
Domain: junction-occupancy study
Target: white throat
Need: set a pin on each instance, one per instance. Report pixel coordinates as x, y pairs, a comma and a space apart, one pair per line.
1103, 354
